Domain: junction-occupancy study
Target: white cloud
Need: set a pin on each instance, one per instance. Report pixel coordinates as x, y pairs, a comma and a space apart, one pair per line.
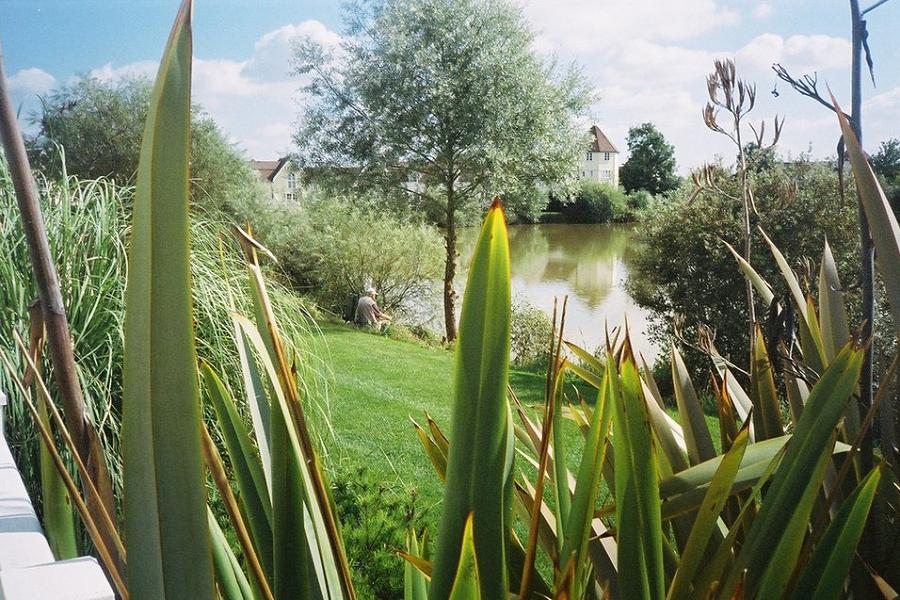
254, 100
25, 86
272, 53
666, 84
763, 10
880, 118
799, 53
109, 73
591, 26
31, 81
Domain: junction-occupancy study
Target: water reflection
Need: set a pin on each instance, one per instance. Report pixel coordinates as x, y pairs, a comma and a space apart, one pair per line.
586, 262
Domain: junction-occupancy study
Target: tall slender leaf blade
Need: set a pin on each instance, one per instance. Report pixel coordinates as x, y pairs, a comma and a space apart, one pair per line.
761, 285
882, 221
823, 577
590, 361
783, 561
560, 468
415, 585
59, 520
713, 503
640, 539
684, 491
167, 533
789, 277
766, 405
304, 482
467, 582
299, 568
669, 434
233, 583
246, 466
693, 422
832, 312
827, 403
587, 485
257, 401
811, 341
479, 462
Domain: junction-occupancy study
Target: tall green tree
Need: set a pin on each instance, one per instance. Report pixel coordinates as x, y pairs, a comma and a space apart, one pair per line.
98, 126
651, 161
446, 93
886, 162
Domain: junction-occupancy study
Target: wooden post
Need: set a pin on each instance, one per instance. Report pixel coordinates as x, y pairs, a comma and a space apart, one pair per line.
45, 274
54, 313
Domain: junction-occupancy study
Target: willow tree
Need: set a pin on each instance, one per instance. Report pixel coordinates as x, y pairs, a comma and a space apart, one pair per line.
446, 101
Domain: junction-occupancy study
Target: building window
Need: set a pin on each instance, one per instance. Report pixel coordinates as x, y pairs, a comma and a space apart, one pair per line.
292, 181
606, 156
289, 197
606, 174
590, 156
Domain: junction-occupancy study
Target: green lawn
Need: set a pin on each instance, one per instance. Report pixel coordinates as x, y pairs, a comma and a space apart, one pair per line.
377, 385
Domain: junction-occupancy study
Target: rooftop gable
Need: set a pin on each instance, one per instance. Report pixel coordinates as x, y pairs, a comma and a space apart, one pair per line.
599, 141
268, 170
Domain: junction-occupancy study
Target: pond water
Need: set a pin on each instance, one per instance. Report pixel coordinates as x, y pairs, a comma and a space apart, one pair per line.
587, 263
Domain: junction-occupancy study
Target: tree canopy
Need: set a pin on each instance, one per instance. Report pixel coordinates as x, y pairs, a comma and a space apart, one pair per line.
447, 93
99, 124
651, 162
886, 163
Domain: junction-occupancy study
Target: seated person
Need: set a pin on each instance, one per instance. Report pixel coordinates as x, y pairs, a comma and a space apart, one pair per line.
367, 311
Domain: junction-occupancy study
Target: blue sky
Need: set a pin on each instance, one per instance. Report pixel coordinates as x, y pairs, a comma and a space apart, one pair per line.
646, 59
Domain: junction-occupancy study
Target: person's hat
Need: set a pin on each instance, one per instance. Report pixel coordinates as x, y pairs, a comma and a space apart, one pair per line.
370, 291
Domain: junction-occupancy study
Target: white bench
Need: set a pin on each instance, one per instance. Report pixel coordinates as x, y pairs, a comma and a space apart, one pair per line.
28, 570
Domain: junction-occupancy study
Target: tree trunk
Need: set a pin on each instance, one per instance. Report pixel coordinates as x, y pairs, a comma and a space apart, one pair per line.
450, 267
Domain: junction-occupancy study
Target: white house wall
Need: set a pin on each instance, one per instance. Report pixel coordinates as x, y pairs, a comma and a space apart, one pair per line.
600, 168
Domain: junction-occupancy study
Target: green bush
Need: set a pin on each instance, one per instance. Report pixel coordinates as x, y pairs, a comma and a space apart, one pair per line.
92, 128
597, 203
375, 517
683, 268
335, 247
530, 335
639, 200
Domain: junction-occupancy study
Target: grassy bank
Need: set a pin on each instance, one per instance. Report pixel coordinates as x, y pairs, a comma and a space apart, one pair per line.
378, 384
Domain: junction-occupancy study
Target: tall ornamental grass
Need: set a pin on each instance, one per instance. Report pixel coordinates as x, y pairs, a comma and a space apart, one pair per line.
89, 225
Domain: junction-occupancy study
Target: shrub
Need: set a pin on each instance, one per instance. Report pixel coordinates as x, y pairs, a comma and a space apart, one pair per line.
597, 203
530, 335
639, 200
98, 126
683, 268
335, 247
353, 248
375, 518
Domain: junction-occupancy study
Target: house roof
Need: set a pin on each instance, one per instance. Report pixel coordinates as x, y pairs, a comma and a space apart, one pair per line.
599, 141
267, 170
